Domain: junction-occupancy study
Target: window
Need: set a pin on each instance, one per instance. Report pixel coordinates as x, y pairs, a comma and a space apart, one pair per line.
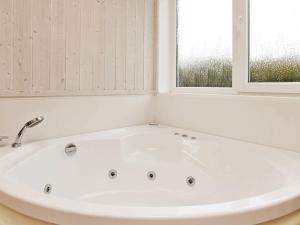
204, 43
274, 41
249, 45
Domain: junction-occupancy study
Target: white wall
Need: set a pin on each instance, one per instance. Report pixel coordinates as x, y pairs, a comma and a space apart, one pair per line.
265, 120
72, 115
166, 43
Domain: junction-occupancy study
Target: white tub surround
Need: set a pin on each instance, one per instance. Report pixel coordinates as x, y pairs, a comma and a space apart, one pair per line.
150, 175
66, 116
265, 120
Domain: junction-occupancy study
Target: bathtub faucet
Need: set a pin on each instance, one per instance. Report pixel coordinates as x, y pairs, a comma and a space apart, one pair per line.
29, 124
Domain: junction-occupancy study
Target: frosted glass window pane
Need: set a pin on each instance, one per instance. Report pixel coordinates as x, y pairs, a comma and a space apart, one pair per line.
204, 43
274, 41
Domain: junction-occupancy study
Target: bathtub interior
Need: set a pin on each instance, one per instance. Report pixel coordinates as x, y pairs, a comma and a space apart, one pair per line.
223, 170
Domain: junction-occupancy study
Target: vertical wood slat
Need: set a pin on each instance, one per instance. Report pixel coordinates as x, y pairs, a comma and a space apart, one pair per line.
110, 44
41, 28
121, 45
131, 44
155, 62
58, 45
139, 69
22, 52
87, 51
99, 60
155, 57
73, 30
149, 45
6, 8
76, 45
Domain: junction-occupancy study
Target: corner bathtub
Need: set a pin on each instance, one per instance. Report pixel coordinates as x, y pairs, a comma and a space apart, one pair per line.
150, 175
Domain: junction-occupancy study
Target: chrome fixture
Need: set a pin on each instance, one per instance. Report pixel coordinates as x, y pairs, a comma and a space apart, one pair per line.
190, 181
151, 175
3, 138
153, 124
112, 174
70, 149
30, 124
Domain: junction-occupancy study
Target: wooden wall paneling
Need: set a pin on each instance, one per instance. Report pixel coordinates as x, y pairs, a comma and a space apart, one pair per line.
121, 45
139, 69
76, 47
155, 57
58, 45
110, 44
22, 52
41, 46
149, 45
99, 60
73, 31
6, 9
131, 44
87, 52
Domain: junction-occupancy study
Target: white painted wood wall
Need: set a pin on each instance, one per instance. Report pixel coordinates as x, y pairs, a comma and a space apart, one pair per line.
76, 47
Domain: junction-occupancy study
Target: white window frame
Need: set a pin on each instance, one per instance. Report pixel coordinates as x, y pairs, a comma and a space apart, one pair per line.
241, 56
240, 74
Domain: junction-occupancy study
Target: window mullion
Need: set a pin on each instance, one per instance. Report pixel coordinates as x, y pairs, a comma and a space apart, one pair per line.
240, 44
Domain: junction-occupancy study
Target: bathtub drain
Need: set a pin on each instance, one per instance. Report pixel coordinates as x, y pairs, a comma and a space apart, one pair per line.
70, 149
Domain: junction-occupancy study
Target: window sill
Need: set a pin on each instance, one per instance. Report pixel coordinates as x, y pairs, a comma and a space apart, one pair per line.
231, 93
204, 90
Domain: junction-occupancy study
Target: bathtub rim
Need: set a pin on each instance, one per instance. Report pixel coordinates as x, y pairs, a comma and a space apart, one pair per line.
262, 208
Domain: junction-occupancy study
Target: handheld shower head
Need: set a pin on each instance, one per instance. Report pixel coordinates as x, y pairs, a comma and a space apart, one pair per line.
34, 122
29, 124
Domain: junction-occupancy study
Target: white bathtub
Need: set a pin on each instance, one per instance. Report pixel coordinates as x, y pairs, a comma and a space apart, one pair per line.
235, 183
